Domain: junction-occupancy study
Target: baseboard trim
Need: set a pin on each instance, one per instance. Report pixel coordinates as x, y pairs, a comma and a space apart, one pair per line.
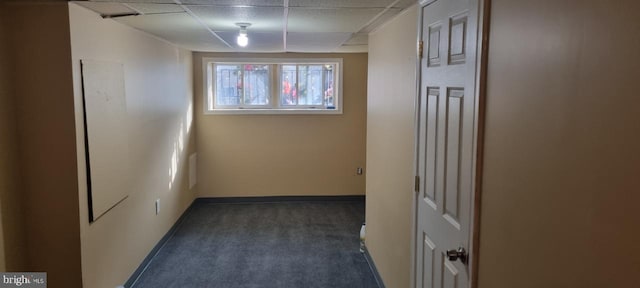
373, 268
145, 263
275, 199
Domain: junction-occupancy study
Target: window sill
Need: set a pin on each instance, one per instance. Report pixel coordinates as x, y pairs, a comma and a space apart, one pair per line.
249, 111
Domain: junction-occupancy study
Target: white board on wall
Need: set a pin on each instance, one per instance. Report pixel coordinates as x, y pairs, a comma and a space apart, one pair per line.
106, 135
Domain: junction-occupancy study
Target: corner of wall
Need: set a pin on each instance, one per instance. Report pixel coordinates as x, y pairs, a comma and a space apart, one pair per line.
335, 144
12, 239
390, 146
39, 33
161, 136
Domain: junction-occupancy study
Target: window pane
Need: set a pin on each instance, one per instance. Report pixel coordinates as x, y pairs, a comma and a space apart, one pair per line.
329, 94
289, 93
310, 85
228, 84
256, 84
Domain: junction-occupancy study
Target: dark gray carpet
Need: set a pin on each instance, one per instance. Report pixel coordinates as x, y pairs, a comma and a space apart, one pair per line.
286, 244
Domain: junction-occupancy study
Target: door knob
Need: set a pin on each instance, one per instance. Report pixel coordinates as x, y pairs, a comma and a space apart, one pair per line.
459, 254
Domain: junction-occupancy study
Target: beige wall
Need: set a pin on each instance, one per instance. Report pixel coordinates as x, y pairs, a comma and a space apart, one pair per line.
390, 147
39, 34
560, 189
159, 102
269, 155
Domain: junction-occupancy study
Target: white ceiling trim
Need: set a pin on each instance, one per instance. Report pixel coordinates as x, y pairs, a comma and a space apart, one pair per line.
379, 15
134, 9
391, 5
285, 20
404, 11
201, 22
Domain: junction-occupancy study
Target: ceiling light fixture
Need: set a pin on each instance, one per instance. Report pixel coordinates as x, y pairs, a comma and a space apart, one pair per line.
243, 40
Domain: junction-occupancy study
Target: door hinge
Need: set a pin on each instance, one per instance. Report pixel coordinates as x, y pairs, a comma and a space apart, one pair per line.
420, 44
417, 184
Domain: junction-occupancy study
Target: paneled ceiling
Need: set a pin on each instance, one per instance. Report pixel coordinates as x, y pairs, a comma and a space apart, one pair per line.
276, 25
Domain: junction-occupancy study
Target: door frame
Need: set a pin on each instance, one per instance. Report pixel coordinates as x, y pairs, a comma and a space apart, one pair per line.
478, 136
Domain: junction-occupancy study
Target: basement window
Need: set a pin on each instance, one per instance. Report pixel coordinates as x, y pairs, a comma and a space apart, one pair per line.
272, 86
241, 85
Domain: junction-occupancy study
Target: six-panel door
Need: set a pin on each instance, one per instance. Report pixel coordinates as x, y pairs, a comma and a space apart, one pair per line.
445, 141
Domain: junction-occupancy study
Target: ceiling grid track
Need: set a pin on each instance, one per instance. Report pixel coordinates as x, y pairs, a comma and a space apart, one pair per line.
285, 22
201, 22
386, 9
378, 16
132, 8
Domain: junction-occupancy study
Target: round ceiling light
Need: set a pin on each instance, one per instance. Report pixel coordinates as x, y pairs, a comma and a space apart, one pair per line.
243, 39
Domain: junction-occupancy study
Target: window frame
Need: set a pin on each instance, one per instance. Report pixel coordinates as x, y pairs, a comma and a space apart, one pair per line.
275, 86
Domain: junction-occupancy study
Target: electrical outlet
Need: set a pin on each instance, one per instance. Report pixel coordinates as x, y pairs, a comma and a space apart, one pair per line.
157, 206
359, 171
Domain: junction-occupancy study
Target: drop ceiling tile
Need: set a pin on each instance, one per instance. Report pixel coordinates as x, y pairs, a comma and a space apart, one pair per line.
104, 8
258, 41
178, 28
137, 1
384, 18
358, 39
341, 3
259, 3
262, 19
352, 49
404, 3
329, 20
315, 42
147, 8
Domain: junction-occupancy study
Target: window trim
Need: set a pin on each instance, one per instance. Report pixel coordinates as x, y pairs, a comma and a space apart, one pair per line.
275, 86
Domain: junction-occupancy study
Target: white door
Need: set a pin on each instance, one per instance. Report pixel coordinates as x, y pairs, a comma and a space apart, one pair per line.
446, 137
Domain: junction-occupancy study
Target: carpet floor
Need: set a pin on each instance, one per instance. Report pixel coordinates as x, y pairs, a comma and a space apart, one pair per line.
283, 244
